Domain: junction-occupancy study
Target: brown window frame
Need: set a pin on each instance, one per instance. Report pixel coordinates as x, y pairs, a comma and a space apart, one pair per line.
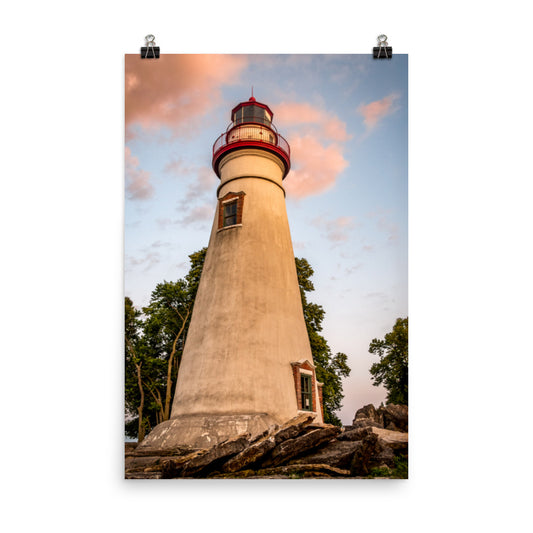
227, 200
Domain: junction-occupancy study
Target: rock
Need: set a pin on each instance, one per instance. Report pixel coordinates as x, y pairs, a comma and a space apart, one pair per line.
362, 460
288, 471
384, 457
250, 455
293, 427
276, 435
144, 463
129, 447
365, 423
307, 470
269, 431
381, 446
395, 417
143, 475
355, 434
299, 448
369, 411
172, 468
205, 461
395, 440
170, 452
291, 448
336, 453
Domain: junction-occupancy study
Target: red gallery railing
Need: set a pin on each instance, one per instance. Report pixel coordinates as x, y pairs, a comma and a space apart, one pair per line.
254, 134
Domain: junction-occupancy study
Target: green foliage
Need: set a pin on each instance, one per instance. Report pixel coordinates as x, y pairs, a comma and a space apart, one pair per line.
330, 369
380, 472
400, 470
134, 356
401, 467
392, 369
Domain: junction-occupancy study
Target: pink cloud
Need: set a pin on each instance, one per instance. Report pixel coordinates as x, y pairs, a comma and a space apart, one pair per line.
316, 167
376, 111
317, 139
297, 114
176, 88
138, 186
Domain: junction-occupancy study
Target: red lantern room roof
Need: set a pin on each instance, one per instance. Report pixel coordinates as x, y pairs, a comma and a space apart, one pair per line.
251, 127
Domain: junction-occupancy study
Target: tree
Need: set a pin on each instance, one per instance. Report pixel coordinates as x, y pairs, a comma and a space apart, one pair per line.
166, 318
134, 390
330, 369
392, 369
158, 347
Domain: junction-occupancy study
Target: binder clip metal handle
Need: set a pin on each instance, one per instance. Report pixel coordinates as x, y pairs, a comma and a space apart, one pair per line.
150, 51
383, 51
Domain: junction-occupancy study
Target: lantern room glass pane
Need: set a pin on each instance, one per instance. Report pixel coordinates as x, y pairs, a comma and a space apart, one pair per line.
252, 113
248, 113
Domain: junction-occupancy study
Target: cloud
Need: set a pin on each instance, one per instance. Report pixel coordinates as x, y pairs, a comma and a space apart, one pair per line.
176, 89
316, 138
385, 225
329, 127
138, 186
353, 268
164, 223
202, 184
337, 230
316, 167
149, 260
377, 110
160, 244
200, 213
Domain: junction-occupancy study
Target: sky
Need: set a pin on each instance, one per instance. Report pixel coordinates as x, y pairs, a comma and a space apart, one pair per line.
345, 118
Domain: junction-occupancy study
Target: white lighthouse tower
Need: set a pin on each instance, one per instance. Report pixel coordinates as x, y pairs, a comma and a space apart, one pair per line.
247, 361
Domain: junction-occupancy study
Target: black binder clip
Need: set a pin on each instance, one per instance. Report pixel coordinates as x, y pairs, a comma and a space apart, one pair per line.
383, 51
150, 51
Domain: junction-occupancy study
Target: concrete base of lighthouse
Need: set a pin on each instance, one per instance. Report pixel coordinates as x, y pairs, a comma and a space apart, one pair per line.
203, 431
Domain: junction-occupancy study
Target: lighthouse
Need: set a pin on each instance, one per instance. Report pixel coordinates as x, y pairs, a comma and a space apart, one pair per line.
247, 361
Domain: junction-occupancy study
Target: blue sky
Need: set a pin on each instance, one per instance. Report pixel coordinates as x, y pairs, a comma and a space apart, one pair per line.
345, 117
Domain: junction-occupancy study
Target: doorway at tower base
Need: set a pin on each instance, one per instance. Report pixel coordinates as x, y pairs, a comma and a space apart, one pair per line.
203, 431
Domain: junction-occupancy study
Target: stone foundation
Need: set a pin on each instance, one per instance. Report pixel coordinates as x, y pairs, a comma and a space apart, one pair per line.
202, 431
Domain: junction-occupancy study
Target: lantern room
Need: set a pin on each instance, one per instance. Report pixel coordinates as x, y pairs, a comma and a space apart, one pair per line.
251, 112
251, 127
